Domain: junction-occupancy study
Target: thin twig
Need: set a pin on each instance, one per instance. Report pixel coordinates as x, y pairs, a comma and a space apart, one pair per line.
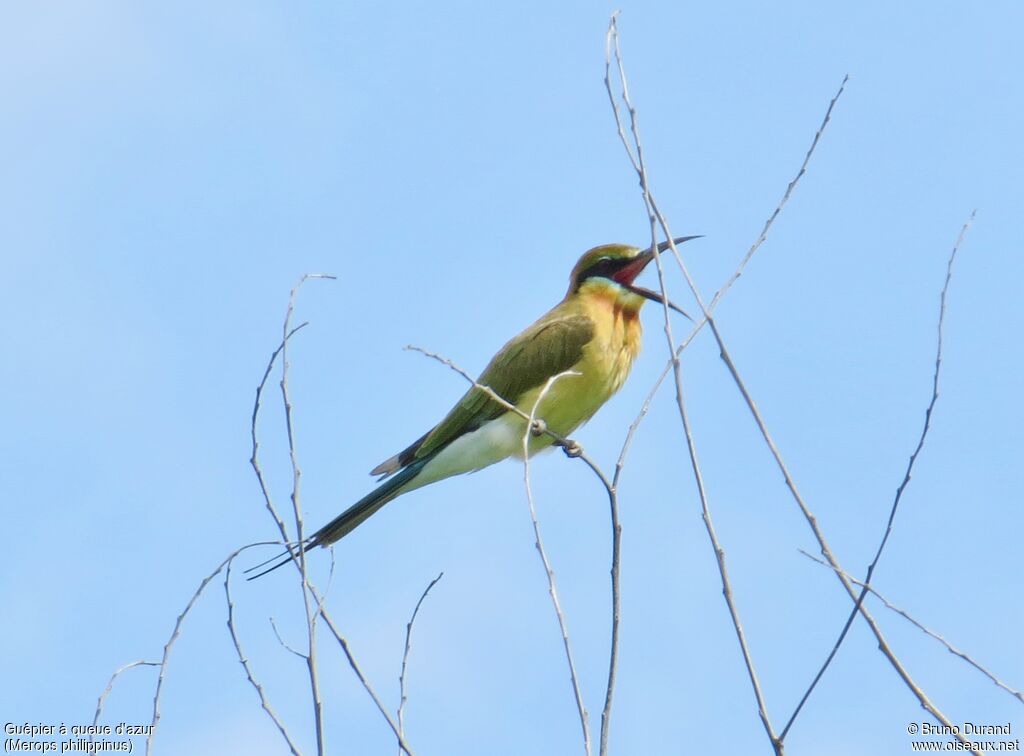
311, 613
903, 484
723, 573
343, 643
110, 686
612, 48
613, 654
769, 441
701, 322
785, 198
254, 458
572, 449
264, 702
883, 644
405, 656
155, 720
283, 643
930, 633
528, 433
321, 611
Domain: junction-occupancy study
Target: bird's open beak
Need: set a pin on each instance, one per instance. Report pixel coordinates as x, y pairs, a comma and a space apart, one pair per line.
628, 273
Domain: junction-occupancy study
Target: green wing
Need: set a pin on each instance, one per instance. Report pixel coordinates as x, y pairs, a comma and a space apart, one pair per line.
546, 348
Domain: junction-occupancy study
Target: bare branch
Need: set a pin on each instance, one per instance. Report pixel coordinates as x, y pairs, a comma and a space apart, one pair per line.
883, 645
539, 542
309, 589
903, 484
785, 198
110, 686
702, 321
283, 643
405, 656
930, 633
254, 458
311, 612
264, 702
572, 449
612, 48
931, 403
613, 654
343, 644
812, 522
155, 720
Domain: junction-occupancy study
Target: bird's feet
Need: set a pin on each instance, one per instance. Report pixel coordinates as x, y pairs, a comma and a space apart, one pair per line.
572, 448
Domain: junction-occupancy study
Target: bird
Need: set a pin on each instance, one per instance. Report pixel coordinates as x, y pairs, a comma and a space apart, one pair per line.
594, 332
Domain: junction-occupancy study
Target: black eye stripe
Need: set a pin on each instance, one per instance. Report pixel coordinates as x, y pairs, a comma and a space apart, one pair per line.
601, 269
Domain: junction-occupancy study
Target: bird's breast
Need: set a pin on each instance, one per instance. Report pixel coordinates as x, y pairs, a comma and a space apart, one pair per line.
617, 339
601, 370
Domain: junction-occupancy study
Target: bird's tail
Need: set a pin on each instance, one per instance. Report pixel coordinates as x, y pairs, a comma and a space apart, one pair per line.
347, 521
363, 509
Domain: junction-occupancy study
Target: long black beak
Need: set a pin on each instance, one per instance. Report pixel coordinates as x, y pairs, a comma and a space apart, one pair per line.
664, 246
653, 295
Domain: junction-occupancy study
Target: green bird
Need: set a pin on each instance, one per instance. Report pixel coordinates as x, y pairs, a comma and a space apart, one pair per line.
594, 331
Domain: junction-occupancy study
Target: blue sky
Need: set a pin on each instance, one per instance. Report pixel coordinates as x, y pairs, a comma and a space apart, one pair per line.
170, 172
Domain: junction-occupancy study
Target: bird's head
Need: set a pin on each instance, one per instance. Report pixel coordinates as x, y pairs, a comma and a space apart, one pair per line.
615, 267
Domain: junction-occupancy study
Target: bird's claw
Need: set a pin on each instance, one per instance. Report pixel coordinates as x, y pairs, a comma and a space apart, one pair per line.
572, 449
538, 427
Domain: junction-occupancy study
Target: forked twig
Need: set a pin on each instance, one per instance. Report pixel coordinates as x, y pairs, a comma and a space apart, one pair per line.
312, 612
254, 457
702, 321
927, 631
308, 586
536, 426
405, 656
612, 48
309, 590
769, 441
110, 687
826, 551
282, 642
250, 675
903, 484
155, 719
343, 644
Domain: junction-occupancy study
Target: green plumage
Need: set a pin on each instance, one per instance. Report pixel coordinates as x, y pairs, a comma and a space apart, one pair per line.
545, 349
594, 332
352, 517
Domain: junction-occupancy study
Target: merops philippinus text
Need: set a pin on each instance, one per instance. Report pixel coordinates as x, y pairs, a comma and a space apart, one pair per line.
594, 331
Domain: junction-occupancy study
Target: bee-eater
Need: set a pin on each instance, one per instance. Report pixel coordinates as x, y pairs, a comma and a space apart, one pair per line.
594, 331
